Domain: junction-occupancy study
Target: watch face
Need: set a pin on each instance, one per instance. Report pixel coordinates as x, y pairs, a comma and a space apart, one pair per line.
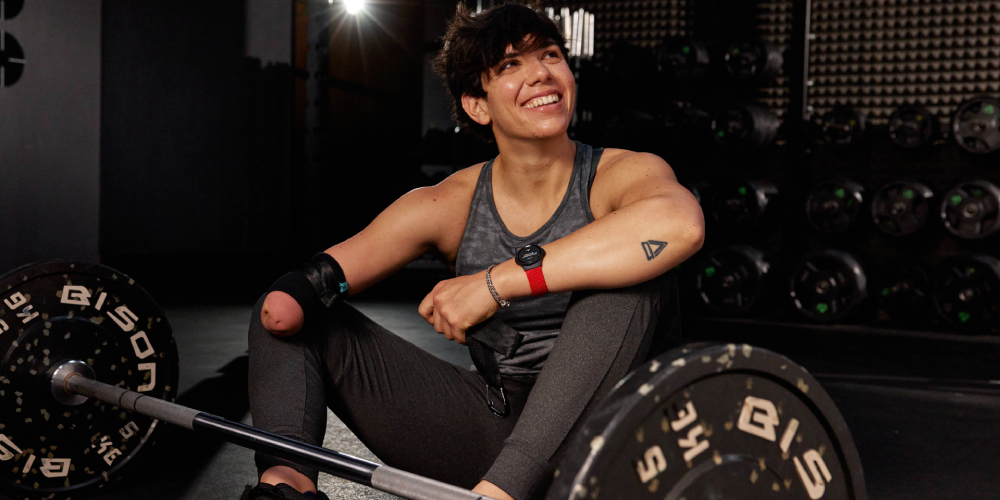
529, 255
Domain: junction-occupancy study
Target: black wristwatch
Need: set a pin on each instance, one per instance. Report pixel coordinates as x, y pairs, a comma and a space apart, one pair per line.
530, 258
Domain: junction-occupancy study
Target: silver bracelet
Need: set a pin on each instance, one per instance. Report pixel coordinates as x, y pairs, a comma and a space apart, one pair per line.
493, 291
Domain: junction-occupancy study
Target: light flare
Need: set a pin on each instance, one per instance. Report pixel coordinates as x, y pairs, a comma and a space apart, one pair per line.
353, 6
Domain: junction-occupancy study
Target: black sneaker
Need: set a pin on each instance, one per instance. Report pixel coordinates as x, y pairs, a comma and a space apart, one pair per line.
280, 492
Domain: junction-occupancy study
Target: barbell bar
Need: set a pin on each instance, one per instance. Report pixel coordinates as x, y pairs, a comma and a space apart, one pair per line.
75, 378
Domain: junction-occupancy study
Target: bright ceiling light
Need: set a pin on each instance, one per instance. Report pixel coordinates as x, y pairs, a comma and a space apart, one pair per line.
354, 6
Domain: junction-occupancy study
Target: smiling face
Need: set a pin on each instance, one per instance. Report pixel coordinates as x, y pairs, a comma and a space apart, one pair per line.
528, 96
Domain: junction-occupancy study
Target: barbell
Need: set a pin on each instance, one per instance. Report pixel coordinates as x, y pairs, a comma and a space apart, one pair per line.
90, 369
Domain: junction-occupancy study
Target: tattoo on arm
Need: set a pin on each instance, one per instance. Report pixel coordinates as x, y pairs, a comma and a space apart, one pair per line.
653, 248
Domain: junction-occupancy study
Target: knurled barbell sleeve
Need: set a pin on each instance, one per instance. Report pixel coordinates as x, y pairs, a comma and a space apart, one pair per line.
166, 411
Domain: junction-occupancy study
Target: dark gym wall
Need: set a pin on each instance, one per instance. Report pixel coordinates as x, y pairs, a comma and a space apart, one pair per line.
197, 138
49, 134
437, 101
372, 157
203, 161
444, 150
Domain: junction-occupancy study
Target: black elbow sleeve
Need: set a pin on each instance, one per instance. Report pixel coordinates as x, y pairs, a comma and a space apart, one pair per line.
318, 284
326, 278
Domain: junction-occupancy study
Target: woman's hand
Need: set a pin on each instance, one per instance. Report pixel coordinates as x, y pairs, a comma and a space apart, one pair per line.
455, 305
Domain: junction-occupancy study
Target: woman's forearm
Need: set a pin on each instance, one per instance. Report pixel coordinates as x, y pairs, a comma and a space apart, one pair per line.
628, 246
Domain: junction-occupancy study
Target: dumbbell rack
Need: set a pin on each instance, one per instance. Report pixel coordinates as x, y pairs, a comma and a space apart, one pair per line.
872, 55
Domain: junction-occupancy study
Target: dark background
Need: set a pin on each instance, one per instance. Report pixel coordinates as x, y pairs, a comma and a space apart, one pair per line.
204, 148
50, 123
167, 139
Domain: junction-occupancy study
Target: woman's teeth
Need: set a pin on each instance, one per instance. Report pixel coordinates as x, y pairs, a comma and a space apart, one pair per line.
539, 101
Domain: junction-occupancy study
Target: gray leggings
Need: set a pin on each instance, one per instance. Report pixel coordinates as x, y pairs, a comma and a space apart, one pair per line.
424, 415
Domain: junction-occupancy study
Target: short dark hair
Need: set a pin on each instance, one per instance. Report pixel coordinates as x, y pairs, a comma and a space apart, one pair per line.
476, 43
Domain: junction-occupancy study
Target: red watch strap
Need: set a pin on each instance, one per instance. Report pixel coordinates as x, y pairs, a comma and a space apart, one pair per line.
537, 281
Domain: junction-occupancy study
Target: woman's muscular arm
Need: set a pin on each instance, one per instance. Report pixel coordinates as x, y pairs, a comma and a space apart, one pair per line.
423, 219
638, 205
646, 223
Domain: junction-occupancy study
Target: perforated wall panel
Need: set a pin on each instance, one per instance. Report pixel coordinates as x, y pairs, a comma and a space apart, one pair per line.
774, 22
877, 55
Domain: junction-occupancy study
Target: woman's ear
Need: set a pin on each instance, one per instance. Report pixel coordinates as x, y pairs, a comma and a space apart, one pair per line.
477, 108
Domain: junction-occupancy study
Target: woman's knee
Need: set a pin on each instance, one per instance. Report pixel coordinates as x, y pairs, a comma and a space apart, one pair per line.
651, 292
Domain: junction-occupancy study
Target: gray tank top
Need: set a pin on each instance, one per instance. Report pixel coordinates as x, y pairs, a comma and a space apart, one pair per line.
487, 241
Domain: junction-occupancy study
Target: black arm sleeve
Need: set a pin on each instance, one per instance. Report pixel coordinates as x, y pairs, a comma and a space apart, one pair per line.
298, 286
319, 284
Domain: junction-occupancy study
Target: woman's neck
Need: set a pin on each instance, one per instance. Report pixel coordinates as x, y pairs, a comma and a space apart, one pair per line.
535, 169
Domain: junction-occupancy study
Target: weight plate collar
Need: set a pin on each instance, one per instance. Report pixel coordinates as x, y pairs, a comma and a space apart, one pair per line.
53, 312
710, 419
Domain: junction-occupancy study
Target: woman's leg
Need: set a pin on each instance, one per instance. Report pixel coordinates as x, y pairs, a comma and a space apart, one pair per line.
606, 333
413, 410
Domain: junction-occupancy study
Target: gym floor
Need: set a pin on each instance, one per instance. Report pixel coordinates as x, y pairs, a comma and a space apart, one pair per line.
916, 438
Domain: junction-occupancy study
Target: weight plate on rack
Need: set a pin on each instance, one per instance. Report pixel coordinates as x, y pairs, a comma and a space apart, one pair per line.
731, 280
912, 126
11, 60
976, 125
753, 60
903, 289
683, 59
59, 311
828, 285
833, 206
684, 126
843, 126
745, 126
713, 422
971, 210
11, 8
967, 291
900, 208
739, 206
